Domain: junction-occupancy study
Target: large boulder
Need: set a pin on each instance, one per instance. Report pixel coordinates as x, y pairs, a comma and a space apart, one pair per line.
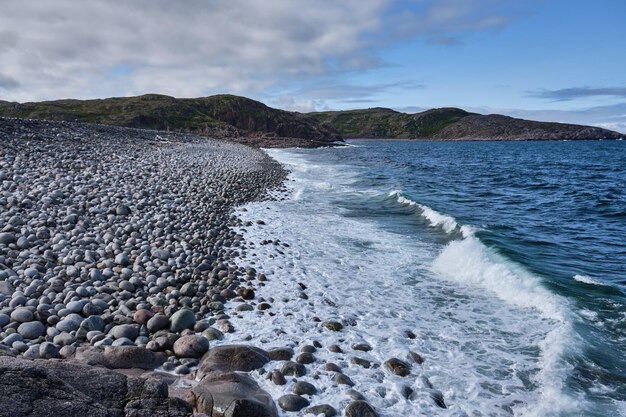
58, 388
232, 358
191, 346
232, 395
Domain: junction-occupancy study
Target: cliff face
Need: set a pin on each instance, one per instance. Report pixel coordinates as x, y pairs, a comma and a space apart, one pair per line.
224, 116
450, 124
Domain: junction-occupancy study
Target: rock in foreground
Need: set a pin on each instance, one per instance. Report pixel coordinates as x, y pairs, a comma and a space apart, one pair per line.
53, 388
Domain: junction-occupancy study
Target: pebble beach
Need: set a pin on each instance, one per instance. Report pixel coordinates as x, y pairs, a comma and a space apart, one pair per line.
121, 257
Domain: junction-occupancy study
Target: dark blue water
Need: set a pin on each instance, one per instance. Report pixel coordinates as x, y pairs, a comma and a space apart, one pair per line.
554, 209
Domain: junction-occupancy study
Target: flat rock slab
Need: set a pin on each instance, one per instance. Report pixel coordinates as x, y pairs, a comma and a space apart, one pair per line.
58, 388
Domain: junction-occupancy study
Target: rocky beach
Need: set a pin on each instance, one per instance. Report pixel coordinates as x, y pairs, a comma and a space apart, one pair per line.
122, 279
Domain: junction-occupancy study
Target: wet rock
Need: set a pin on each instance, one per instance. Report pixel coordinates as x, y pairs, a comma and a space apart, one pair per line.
332, 367
437, 397
293, 368
212, 333
342, 379
304, 388
280, 354
334, 326
305, 358
292, 402
277, 378
354, 394
364, 347
335, 349
361, 362
360, 408
416, 357
398, 366
325, 409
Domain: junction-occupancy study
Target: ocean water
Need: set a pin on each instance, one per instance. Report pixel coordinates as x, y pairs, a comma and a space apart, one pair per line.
506, 259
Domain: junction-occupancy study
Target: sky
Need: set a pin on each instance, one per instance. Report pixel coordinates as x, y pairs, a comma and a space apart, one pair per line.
554, 60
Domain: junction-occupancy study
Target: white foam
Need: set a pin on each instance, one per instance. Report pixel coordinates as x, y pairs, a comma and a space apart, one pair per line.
480, 320
586, 280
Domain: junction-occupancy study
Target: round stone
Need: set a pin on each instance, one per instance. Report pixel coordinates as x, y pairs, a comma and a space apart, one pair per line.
191, 346
158, 322
122, 259
31, 330
181, 320
213, 334
128, 331
92, 323
74, 306
21, 315
304, 388
292, 402
142, 316
69, 323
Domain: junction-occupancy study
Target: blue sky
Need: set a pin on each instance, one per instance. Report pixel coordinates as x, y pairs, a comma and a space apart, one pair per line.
540, 59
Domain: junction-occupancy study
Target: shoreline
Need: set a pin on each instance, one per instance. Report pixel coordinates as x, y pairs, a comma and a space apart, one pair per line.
116, 255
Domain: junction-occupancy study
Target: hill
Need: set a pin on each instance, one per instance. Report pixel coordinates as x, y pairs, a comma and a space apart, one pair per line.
450, 124
225, 116
248, 121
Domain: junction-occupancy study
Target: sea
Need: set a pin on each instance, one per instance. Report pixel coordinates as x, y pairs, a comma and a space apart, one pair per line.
505, 260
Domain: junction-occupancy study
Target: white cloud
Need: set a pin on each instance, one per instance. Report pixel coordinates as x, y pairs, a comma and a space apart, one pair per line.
94, 48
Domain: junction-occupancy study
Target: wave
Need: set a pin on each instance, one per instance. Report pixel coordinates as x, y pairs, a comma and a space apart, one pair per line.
469, 261
586, 280
436, 219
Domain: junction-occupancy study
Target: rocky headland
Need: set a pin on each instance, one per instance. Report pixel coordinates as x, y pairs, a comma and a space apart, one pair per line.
452, 124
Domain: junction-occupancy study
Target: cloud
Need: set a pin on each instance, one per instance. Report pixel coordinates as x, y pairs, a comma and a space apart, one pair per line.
8, 83
445, 22
567, 94
54, 49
